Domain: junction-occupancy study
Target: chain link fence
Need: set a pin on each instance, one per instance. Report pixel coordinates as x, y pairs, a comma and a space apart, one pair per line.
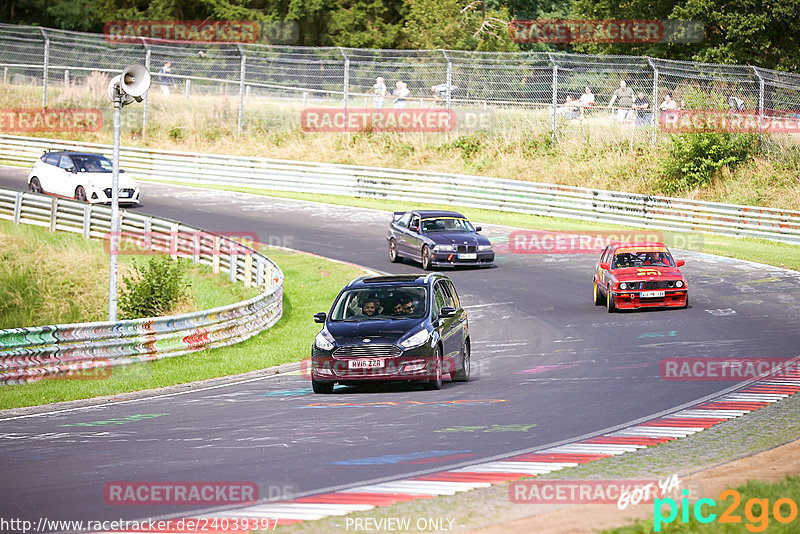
252, 89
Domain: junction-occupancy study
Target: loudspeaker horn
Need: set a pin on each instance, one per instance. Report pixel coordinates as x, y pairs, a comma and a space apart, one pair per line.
135, 80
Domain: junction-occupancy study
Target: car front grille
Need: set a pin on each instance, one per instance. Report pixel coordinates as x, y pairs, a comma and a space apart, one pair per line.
367, 351
658, 284
123, 193
467, 248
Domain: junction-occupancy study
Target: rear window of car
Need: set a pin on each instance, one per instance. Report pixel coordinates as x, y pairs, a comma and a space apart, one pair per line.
350, 306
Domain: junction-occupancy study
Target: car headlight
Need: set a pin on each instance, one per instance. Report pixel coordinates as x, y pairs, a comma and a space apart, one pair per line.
324, 340
484, 248
416, 340
679, 284
623, 286
444, 248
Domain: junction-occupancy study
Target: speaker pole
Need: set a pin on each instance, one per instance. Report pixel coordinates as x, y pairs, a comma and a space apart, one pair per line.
115, 226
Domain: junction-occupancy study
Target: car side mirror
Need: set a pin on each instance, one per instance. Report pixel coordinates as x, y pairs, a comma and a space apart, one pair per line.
320, 317
478, 228
447, 311
605, 266
71, 169
680, 263
414, 228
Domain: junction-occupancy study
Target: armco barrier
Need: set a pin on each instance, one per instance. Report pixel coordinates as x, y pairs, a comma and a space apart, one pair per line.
535, 198
32, 353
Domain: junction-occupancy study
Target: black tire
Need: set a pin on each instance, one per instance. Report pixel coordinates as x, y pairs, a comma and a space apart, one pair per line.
599, 300
610, 306
324, 388
80, 194
462, 375
426, 258
394, 257
35, 186
436, 381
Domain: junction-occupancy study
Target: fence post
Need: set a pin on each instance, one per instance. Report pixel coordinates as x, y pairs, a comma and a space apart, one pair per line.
346, 83
555, 94
5, 75
760, 107
147, 94
46, 66
66, 78
654, 122
186, 95
242, 72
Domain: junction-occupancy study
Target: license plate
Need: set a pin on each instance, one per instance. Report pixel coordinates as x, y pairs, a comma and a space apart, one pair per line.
124, 194
468, 256
651, 294
364, 364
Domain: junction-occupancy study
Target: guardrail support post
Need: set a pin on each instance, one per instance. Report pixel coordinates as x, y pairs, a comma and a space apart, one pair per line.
148, 233
87, 220
259, 272
18, 207
232, 262
215, 256
45, 67
173, 241
248, 270
195, 247
53, 214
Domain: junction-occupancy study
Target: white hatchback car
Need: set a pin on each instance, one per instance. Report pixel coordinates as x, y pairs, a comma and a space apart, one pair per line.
82, 176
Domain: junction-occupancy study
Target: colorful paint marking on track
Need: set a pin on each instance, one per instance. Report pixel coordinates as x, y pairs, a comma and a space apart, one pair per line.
648, 434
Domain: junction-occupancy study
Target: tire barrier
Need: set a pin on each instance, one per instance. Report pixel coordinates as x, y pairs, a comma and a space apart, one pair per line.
91, 349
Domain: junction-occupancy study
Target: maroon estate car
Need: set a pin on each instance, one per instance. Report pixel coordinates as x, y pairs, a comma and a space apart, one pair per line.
639, 275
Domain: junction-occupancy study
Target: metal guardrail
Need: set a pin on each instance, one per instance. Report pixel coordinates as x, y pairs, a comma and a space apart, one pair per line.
630, 209
28, 354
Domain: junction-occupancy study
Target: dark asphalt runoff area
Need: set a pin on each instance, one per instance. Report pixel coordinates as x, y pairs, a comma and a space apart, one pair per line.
548, 366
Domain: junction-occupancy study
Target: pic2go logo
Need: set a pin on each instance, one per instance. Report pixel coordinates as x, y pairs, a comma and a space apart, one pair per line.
757, 511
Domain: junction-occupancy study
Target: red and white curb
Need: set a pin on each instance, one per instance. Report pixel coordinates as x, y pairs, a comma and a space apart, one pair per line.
643, 435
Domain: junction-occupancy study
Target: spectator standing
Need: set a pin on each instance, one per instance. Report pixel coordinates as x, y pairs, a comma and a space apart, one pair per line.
642, 107
400, 93
624, 99
165, 79
379, 91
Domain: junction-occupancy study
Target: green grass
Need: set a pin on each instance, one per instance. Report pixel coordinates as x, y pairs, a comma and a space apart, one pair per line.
753, 515
311, 284
745, 248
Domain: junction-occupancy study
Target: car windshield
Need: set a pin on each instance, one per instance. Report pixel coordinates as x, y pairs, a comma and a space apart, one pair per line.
92, 163
380, 303
446, 224
643, 257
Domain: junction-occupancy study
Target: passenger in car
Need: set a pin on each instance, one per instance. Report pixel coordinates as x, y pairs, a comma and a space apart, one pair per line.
370, 308
397, 307
408, 306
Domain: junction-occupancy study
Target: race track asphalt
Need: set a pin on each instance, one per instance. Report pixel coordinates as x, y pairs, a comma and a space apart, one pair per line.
548, 366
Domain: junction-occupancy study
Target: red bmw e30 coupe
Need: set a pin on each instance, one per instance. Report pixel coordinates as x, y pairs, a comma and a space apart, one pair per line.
639, 275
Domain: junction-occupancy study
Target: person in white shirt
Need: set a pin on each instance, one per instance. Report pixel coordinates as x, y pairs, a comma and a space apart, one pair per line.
379, 90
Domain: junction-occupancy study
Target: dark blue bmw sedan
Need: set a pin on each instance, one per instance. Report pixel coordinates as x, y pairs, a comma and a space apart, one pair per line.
437, 239
398, 328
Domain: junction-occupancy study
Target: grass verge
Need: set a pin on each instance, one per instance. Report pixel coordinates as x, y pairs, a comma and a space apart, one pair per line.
311, 284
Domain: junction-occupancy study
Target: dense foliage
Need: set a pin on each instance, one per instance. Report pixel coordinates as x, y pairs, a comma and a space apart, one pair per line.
756, 33
153, 289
